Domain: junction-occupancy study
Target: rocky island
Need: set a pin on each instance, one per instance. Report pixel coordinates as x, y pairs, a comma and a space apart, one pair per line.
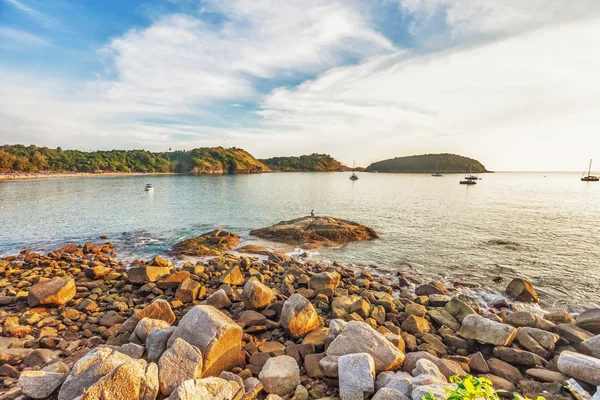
444, 163
307, 163
76, 323
314, 232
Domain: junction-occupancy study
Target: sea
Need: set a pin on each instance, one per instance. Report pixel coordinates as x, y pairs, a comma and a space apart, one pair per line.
544, 227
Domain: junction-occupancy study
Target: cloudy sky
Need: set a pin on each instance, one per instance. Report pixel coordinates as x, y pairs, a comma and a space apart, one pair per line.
513, 83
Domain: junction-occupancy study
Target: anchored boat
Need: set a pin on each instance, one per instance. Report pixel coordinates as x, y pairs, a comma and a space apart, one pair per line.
148, 187
590, 177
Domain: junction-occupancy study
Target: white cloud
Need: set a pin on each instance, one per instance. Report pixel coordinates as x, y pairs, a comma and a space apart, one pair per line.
500, 17
16, 39
31, 12
529, 102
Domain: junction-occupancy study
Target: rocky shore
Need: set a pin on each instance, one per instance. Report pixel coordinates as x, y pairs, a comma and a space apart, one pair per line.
77, 323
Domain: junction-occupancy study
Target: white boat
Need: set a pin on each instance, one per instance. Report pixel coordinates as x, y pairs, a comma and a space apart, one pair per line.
354, 177
436, 173
148, 187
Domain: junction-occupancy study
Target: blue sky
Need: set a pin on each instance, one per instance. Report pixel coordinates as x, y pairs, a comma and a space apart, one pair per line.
511, 83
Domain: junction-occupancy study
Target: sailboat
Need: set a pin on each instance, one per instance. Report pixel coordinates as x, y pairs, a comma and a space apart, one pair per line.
354, 177
436, 173
469, 179
590, 177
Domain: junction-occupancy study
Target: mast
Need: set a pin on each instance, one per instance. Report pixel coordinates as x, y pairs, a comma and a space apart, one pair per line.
590, 169
436, 166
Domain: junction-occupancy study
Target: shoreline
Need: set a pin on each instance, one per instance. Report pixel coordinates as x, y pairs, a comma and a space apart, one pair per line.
80, 300
60, 175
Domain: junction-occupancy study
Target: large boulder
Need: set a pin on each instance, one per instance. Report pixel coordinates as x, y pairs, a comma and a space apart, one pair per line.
158, 309
146, 273
203, 389
522, 290
217, 336
233, 276
188, 291
257, 295
125, 382
359, 337
589, 320
487, 331
580, 367
298, 316
324, 280
280, 375
356, 376
213, 243
316, 232
91, 368
40, 384
179, 363
55, 292
156, 342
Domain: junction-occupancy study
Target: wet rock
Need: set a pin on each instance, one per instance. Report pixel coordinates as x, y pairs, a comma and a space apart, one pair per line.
589, 320
522, 290
356, 376
54, 292
487, 331
40, 384
280, 375
215, 334
316, 231
298, 316
213, 243
359, 337
580, 367
179, 363
256, 295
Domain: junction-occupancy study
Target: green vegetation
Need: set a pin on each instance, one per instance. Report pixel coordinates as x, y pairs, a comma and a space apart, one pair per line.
310, 163
19, 158
472, 388
427, 163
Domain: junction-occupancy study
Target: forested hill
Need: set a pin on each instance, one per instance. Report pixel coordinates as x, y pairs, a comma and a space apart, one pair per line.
311, 163
427, 163
218, 160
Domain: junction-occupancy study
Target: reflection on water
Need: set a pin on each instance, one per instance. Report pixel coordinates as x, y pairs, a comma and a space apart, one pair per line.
510, 224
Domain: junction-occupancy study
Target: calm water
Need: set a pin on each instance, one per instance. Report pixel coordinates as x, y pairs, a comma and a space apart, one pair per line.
430, 227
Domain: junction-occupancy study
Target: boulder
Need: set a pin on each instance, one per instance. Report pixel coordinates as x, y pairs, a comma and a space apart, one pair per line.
213, 243
173, 280
40, 384
400, 381
519, 357
589, 320
415, 325
591, 346
156, 342
280, 375
316, 232
522, 290
536, 340
218, 299
459, 309
389, 394
298, 316
580, 366
146, 273
90, 369
359, 337
188, 291
233, 276
215, 334
487, 331
356, 376
257, 295
181, 362
125, 382
145, 325
158, 309
443, 317
55, 292
203, 389
324, 280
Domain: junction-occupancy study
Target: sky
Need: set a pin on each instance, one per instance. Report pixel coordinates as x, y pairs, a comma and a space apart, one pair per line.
512, 83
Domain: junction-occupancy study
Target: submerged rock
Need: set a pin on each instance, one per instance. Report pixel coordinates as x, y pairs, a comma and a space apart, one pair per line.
316, 232
213, 243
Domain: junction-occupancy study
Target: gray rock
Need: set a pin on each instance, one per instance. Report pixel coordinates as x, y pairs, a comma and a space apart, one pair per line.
218, 299
215, 334
356, 376
280, 375
146, 325
40, 384
487, 331
400, 381
389, 394
359, 337
122, 383
437, 390
181, 362
427, 367
132, 350
203, 389
156, 342
150, 386
591, 346
589, 320
580, 367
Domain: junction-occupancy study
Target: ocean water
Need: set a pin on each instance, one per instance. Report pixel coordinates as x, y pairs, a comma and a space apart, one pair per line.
542, 226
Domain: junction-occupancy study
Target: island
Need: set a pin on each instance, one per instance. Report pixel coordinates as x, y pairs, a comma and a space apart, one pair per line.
308, 163
444, 163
